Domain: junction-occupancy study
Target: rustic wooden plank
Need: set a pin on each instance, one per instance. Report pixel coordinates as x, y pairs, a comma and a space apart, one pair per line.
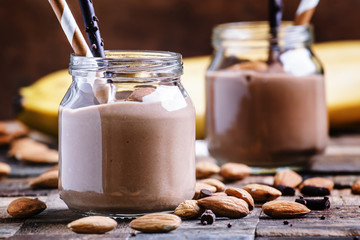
342, 222
17, 187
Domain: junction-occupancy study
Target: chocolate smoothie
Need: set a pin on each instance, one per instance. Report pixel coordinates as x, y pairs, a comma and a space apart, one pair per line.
127, 156
264, 116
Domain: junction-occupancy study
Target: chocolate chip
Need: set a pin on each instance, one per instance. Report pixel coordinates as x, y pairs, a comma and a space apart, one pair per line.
204, 193
322, 217
285, 190
341, 186
248, 78
315, 204
291, 224
285, 222
229, 225
208, 217
311, 190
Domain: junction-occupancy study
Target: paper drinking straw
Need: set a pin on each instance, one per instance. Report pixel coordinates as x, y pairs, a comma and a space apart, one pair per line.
71, 29
305, 11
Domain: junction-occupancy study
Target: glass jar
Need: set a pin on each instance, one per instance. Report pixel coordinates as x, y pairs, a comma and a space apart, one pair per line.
126, 135
265, 96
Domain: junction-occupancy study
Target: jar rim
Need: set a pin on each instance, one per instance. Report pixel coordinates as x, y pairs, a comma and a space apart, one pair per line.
124, 62
132, 55
260, 31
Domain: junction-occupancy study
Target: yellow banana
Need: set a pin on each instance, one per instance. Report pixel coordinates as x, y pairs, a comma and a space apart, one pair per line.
341, 61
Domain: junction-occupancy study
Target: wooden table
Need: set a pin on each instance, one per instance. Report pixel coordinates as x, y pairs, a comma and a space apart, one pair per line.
341, 162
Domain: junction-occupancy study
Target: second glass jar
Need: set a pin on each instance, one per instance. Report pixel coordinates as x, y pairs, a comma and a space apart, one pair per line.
265, 96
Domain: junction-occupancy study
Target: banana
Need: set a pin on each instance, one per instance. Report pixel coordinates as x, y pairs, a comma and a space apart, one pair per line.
341, 61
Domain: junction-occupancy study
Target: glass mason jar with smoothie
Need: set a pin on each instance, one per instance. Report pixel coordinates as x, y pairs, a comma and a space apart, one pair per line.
265, 97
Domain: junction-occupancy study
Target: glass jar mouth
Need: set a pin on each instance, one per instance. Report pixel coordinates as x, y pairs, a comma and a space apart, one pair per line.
259, 31
128, 63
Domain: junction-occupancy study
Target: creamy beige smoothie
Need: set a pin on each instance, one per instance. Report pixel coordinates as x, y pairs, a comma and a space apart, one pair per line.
127, 157
265, 117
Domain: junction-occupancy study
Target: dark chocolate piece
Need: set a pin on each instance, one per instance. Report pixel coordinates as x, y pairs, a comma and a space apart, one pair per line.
311, 190
92, 28
285, 222
315, 204
208, 217
204, 193
229, 225
285, 190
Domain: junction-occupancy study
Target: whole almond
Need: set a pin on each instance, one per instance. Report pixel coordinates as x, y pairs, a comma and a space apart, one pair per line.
27, 149
262, 193
25, 207
234, 171
242, 194
318, 182
156, 223
9, 130
355, 189
231, 207
5, 169
48, 179
220, 186
205, 169
188, 209
199, 186
284, 209
92, 224
288, 178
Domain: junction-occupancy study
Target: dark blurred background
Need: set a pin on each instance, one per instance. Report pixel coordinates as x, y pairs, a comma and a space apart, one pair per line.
33, 43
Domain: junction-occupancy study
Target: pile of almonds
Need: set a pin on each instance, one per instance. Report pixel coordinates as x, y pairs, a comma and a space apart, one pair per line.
212, 197
17, 136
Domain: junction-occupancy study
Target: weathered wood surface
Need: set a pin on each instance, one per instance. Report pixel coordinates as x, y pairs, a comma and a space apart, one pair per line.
341, 163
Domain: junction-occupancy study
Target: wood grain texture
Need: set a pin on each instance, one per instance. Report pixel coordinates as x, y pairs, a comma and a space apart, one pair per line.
341, 220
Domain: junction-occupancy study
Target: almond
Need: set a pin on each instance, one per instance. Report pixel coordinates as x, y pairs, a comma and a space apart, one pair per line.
48, 179
318, 182
156, 223
29, 150
138, 94
234, 171
10, 130
5, 169
262, 193
242, 194
287, 178
25, 207
228, 206
206, 169
199, 186
220, 186
355, 189
92, 224
188, 209
258, 66
284, 209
